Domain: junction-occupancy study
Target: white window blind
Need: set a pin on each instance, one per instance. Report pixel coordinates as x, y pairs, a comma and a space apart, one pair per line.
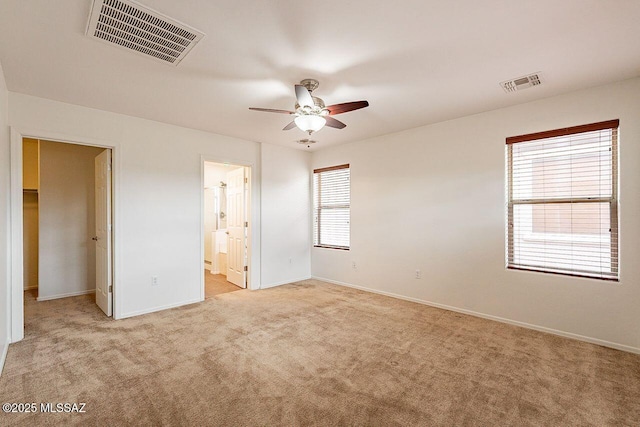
331, 207
562, 210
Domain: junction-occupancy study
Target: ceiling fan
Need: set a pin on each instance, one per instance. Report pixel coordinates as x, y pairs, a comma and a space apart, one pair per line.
311, 114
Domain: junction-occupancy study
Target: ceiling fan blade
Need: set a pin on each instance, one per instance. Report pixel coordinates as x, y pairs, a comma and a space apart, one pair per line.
289, 126
346, 107
304, 97
333, 123
271, 110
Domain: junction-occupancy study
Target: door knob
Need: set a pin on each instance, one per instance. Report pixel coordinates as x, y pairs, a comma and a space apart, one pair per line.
95, 238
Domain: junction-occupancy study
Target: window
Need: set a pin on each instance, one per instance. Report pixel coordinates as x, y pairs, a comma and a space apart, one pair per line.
331, 207
562, 211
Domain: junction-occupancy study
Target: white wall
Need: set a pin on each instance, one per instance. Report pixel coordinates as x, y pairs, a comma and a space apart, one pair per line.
67, 255
286, 209
158, 187
4, 221
433, 198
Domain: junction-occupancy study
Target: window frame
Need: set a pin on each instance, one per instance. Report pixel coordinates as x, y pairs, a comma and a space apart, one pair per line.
317, 210
613, 125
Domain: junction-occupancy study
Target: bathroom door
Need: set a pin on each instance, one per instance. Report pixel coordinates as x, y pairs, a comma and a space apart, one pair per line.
237, 237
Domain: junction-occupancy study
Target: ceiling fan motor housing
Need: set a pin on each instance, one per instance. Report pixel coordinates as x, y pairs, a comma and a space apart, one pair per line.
310, 84
318, 109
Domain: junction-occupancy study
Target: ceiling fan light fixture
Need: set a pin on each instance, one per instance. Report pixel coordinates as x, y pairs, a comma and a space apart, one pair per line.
310, 123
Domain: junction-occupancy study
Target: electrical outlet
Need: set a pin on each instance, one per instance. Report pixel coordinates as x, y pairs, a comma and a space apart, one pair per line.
154, 280
354, 266
418, 274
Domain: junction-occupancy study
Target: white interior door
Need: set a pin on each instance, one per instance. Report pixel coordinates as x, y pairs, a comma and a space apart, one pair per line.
237, 238
103, 231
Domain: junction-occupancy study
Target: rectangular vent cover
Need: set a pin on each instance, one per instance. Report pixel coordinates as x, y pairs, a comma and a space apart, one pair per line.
521, 83
132, 26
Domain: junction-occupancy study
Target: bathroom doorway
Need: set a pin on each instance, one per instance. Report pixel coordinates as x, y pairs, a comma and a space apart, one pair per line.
226, 204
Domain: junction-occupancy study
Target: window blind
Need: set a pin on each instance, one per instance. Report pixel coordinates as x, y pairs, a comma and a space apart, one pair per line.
562, 209
332, 199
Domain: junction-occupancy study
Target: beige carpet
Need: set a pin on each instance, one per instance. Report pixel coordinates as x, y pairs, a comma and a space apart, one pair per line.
216, 284
310, 354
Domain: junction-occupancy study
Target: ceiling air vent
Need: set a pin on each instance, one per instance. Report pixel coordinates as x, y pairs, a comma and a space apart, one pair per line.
521, 83
132, 26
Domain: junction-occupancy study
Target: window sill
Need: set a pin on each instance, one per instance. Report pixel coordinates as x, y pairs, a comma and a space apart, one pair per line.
563, 273
341, 248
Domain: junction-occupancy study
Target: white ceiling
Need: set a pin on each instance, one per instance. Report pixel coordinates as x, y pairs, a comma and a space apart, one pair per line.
415, 61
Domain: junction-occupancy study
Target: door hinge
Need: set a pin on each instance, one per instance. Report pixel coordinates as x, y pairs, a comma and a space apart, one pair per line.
110, 288
246, 223
246, 180
246, 268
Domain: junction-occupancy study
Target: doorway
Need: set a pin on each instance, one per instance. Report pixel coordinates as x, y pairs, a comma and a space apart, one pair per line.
226, 227
61, 201
66, 221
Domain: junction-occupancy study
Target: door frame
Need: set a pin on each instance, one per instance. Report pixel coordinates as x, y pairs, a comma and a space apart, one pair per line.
16, 288
252, 218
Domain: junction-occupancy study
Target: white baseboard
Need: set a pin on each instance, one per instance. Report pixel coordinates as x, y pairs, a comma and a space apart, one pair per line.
69, 294
286, 282
571, 335
154, 309
4, 348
